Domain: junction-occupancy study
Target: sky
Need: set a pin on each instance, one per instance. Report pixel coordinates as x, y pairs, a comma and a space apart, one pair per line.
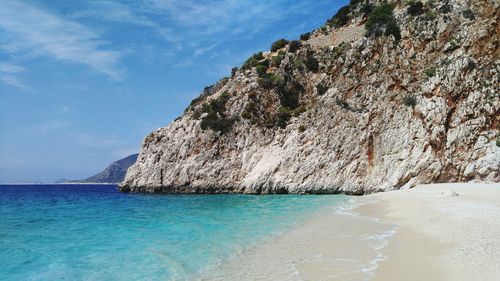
83, 82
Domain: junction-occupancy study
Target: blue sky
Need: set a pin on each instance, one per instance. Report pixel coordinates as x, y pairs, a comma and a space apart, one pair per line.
83, 82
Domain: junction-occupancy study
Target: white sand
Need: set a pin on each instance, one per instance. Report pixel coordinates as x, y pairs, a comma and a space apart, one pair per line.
460, 234
426, 233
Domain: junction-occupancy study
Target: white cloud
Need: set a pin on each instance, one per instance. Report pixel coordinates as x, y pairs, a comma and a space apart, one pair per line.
8, 72
33, 30
118, 12
218, 17
193, 27
10, 68
97, 141
48, 126
204, 26
113, 11
13, 81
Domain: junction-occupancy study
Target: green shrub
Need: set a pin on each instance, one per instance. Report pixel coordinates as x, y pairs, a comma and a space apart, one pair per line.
250, 110
278, 45
196, 114
261, 70
217, 105
342, 103
430, 16
415, 8
321, 89
366, 9
311, 63
195, 102
382, 21
471, 66
252, 61
305, 36
392, 28
215, 118
289, 94
410, 100
223, 81
207, 90
431, 72
234, 70
445, 9
216, 123
258, 56
276, 60
270, 80
468, 14
299, 110
297, 64
293, 46
302, 128
455, 43
341, 18
338, 51
246, 114
284, 114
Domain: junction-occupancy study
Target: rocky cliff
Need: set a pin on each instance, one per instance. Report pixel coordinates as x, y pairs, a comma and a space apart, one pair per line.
384, 96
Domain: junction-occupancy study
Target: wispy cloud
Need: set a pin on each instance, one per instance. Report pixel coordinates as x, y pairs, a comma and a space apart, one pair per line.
210, 23
121, 13
48, 126
10, 68
13, 81
8, 75
198, 27
229, 16
112, 11
97, 141
34, 30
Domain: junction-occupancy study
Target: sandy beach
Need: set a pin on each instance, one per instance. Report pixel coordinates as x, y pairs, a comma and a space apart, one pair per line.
430, 232
447, 232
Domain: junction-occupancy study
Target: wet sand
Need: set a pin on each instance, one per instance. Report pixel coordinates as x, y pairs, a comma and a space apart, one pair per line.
431, 232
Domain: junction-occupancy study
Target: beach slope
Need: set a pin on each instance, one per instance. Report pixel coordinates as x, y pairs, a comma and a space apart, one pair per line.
430, 232
453, 229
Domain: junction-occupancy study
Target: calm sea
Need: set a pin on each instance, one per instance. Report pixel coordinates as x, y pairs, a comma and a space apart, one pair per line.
93, 232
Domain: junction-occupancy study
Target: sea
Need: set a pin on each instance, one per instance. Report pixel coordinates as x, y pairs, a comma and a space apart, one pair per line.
94, 232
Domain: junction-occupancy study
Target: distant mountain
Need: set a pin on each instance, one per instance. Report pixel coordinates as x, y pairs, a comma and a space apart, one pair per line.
114, 173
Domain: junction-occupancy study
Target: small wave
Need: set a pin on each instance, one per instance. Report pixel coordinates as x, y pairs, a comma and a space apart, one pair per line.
377, 241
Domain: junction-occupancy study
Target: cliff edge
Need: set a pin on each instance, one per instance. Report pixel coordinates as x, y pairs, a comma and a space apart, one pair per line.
384, 96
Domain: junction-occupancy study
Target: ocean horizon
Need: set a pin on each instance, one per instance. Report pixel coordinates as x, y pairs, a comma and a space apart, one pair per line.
94, 232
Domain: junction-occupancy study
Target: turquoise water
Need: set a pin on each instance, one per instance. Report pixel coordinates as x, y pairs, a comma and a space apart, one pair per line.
67, 232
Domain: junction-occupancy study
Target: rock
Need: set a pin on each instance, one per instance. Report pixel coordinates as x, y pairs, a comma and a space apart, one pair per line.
449, 193
275, 134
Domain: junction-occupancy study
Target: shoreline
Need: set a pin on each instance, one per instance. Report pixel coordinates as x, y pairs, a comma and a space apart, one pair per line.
430, 232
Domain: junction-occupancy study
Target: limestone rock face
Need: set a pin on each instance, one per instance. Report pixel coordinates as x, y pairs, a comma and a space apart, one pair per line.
352, 114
